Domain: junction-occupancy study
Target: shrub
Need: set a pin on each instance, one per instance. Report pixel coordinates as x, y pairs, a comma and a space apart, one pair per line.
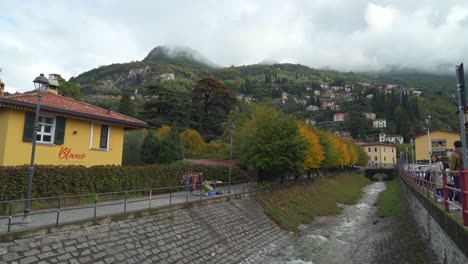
73, 180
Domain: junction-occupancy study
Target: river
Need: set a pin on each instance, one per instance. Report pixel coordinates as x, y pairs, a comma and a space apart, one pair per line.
358, 236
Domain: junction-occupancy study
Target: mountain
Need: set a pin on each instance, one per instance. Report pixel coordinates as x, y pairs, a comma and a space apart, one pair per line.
162, 63
183, 63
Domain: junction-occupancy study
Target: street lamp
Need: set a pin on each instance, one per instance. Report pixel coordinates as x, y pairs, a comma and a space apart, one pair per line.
406, 156
232, 128
428, 126
40, 84
412, 150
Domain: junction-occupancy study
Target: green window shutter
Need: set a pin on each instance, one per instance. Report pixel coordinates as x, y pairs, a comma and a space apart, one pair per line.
28, 126
104, 136
59, 130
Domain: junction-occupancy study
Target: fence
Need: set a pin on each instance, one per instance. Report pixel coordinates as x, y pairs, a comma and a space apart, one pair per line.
62, 209
441, 192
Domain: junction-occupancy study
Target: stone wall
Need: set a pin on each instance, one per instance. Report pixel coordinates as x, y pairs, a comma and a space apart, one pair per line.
448, 238
227, 231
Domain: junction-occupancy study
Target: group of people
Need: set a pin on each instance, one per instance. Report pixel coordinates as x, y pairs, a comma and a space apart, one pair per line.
452, 173
191, 181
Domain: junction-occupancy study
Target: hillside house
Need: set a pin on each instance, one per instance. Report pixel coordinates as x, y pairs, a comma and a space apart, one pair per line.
381, 155
338, 117
379, 123
312, 108
370, 116
343, 134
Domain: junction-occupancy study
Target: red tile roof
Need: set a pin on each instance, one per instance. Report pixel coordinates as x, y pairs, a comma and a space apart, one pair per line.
66, 107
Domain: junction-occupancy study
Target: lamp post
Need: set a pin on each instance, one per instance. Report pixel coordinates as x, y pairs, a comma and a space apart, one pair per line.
412, 150
40, 84
232, 128
406, 156
429, 145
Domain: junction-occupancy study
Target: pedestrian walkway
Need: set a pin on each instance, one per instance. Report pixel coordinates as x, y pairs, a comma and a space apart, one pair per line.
43, 217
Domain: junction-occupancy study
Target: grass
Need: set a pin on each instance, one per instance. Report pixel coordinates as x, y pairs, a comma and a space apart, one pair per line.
299, 204
391, 200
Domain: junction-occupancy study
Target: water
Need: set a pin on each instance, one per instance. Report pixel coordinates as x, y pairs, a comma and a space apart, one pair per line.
358, 236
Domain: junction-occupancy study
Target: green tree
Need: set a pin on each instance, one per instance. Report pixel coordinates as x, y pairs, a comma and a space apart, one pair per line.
270, 142
69, 89
132, 147
150, 148
170, 148
169, 103
126, 106
211, 104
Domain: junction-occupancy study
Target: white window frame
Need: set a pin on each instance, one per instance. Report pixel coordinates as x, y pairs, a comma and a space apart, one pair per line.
91, 133
41, 133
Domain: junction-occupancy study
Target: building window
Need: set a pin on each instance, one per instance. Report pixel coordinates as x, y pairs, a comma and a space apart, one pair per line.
375, 158
45, 134
375, 149
385, 158
51, 129
384, 149
368, 149
104, 139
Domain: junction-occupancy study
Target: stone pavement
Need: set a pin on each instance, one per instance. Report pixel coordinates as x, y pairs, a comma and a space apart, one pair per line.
233, 231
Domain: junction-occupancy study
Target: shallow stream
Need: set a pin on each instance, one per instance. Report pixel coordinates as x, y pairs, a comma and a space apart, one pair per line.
358, 236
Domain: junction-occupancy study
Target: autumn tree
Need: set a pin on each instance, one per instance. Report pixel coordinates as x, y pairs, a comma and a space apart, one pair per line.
315, 154
332, 155
163, 131
192, 142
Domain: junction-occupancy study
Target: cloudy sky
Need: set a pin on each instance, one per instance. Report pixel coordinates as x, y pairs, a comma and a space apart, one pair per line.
71, 37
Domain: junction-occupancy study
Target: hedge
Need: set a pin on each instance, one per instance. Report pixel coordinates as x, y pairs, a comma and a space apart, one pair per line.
50, 181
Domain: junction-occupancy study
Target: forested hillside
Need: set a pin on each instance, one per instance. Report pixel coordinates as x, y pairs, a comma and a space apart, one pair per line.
171, 86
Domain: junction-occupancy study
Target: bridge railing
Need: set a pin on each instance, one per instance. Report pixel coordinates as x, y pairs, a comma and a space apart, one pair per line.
442, 190
62, 209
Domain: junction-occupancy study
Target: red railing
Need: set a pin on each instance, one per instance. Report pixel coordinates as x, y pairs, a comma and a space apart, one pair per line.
429, 185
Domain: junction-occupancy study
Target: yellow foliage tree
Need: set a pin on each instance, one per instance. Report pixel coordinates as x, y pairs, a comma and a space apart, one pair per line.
342, 149
315, 153
163, 131
352, 152
192, 142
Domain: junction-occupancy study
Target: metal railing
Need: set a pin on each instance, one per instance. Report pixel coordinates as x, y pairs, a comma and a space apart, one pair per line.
63, 209
448, 194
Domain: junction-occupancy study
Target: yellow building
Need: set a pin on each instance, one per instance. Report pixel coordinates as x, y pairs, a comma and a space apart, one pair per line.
70, 132
441, 141
381, 155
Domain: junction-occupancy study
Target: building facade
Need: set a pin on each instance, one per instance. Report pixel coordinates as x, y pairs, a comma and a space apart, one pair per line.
70, 132
381, 155
439, 142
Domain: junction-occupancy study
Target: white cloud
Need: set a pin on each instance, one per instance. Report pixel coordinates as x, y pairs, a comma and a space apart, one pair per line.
70, 37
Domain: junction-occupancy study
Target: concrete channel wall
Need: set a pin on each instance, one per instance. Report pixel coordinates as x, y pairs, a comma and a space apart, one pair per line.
448, 238
231, 229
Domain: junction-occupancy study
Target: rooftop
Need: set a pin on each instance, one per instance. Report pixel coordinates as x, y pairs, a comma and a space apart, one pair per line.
67, 107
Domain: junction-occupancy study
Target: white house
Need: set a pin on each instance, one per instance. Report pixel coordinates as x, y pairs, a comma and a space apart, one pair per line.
312, 108
396, 139
379, 123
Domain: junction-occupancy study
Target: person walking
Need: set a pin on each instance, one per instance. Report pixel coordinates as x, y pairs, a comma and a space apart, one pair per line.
436, 169
455, 166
